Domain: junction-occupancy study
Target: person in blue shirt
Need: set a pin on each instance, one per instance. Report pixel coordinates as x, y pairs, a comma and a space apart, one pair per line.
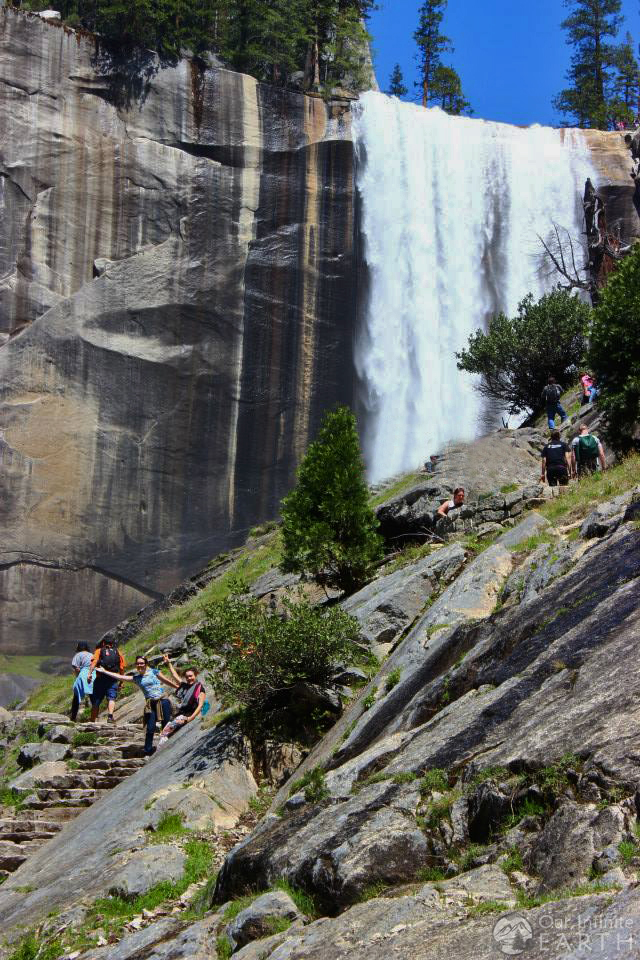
157, 705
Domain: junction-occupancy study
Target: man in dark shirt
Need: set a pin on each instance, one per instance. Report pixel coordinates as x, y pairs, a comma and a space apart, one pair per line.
556, 461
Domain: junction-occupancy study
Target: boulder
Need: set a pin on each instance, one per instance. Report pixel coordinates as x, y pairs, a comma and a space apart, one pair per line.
336, 850
60, 733
198, 810
257, 920
483, 884
605, 518
145, 868
32, 753
41, 773
273, 581
574, 837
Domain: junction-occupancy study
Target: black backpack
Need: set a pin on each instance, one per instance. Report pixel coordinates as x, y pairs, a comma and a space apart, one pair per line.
109, 659
552, 393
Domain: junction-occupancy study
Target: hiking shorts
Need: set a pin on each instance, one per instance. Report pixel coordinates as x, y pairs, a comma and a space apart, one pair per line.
557, 476
103, 687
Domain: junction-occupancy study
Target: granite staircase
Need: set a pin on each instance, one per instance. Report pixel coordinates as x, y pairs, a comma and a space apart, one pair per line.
46, 805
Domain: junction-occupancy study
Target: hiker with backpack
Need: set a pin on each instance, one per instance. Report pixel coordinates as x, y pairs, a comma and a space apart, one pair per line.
556, 461
157, 707
586, 453
551, 400
191, 697
106, 658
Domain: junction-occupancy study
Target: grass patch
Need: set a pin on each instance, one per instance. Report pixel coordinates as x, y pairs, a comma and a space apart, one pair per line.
513, 861
10, 799
476, 545
408, 555
486, 906
372, 891
32, 948
237, 906
435, 779
509, 488
223, 947
370, 699
489, 773
579, 499
467, 859
531, 543
260, 802
303, 901
431, 875
527, 808
170, 826
27, 666
627, 850
404, 483
528, 902
84, 739
393, 679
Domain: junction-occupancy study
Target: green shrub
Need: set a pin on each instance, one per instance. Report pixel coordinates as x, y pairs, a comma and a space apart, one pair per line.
516, 355
370, 699
314, 785
513, 861
170, 825
628, 850
431, 875
393, 679
32, 947
265, 655
328, 526
614, 352
223, 947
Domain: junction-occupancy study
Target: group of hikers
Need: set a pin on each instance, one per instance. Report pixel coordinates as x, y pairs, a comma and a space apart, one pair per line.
99, 676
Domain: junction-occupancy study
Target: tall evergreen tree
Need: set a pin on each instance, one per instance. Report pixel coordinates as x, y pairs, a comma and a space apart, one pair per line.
431, 43
626, 88
590, 26
397, 86
446, 91
328, 527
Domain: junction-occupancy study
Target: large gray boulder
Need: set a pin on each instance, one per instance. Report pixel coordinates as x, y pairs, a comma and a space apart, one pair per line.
257, 920
33, 753
144, 869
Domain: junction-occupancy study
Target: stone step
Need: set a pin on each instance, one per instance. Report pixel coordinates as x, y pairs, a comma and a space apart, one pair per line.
22, 831
118, 764
12, 855
43, 797
24, 823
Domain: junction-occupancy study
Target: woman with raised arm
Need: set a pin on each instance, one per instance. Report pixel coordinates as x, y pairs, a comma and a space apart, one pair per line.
191, 697
157, 707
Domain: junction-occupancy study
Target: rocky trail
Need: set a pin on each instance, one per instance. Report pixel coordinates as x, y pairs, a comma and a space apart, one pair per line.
67, 770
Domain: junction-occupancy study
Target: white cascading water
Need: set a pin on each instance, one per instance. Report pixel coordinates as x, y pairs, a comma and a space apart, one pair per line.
451, 212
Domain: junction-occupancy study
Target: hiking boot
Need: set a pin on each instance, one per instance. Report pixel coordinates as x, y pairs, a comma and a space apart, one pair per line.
111, 718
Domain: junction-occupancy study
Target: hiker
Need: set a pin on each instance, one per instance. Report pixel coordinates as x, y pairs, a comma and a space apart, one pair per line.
556, 462
431, 463
106, 657
191, 697
587, 383
551, 399
586, 451
81, 686
157, 707
458, 501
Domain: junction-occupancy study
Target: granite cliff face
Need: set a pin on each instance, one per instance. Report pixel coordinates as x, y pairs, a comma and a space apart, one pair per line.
179, 265
176, 312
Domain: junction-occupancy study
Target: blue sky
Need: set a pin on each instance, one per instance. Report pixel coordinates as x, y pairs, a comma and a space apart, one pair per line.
511, 54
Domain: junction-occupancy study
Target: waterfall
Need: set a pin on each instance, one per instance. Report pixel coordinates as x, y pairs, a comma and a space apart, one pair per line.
451, 212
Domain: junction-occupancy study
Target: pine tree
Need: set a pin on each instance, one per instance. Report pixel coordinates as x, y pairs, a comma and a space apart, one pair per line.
328, 527
626, 88
446, 92
396, 83
431, 43
588, 98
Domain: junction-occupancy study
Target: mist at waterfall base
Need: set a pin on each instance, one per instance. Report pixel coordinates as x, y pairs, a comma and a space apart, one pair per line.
451, 210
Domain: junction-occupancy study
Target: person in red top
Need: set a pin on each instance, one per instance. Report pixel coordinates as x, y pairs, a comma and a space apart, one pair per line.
109, 658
